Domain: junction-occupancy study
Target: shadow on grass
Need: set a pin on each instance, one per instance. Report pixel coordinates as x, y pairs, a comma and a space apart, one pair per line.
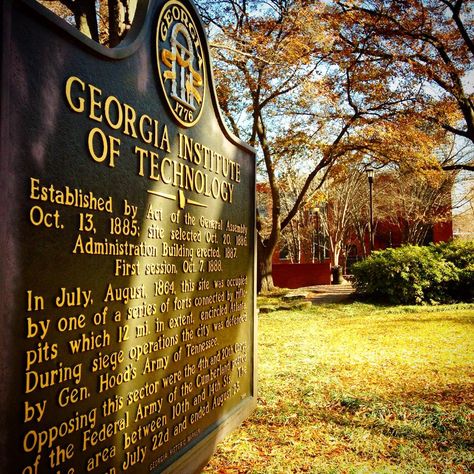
395, 322
420, 416
334, 299
384, 301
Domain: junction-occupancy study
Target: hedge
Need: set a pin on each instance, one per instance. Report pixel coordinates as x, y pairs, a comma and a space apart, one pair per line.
441, 273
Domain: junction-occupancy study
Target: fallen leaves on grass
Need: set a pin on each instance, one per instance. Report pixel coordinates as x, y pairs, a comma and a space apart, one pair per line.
360, 389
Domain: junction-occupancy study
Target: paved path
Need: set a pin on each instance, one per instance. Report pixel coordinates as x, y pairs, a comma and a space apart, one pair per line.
330, 293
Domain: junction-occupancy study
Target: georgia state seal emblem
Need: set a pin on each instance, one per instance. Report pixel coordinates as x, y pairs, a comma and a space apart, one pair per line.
181, 63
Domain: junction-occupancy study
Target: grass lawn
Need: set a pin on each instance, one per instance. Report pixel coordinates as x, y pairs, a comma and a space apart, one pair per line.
359, 388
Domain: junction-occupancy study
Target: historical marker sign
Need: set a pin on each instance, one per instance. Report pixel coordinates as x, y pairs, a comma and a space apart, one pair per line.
127, 248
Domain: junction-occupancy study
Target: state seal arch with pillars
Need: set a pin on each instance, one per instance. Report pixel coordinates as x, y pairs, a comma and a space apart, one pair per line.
181, 63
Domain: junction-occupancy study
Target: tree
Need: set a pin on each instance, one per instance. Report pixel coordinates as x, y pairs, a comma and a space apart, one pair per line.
265, 56
344, 184
301, 233
345, 203
429, 40
106, 22
286, 87
416, 202
412, 195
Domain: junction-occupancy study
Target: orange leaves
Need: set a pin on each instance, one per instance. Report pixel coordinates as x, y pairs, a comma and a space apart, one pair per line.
421, 35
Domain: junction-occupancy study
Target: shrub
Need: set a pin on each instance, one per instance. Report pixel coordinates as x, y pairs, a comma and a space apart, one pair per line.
461, 254
406, 275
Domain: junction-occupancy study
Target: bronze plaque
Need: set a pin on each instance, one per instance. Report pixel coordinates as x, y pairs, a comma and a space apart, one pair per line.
128, 301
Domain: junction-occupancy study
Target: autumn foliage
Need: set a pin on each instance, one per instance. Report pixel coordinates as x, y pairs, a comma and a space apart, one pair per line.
314, 83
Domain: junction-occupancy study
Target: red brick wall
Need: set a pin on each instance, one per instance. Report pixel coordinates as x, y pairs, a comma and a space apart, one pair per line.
297, 275
443, 231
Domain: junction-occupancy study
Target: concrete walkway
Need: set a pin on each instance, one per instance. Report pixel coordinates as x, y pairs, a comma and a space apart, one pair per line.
321, 294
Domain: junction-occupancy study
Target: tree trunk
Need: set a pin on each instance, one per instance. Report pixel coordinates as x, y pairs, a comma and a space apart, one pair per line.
119, 20
336, 255
264, 267
334, 251
86, 18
